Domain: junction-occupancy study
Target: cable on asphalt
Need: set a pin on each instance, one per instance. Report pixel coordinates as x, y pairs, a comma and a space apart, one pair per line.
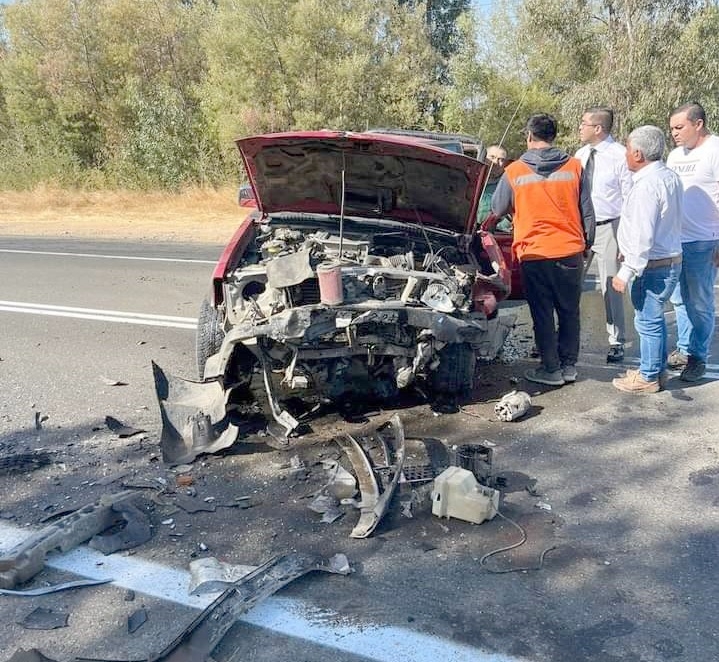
503, 571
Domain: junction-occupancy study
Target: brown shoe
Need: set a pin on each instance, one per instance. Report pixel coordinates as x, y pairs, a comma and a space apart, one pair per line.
677, 361
633, 382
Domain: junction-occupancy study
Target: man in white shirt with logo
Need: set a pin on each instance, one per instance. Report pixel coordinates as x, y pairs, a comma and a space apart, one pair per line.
650, 243
609, 180
696, 161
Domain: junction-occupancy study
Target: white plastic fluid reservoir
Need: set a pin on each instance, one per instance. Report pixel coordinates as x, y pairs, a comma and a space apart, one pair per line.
329, 276
457, 494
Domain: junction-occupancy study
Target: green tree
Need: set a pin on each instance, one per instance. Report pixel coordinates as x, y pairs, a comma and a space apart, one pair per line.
353, 65
79, 73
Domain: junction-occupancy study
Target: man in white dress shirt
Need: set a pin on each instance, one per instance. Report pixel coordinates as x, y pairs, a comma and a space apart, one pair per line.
650, 242
609, 180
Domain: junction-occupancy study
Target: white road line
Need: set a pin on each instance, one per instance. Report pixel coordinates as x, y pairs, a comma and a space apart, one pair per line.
287, 616
107, 257
117, 316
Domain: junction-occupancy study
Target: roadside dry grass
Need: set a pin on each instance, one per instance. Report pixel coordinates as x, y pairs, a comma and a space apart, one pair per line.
202, 215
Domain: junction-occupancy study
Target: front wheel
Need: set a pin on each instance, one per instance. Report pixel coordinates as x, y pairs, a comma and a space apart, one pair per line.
209, 337
455, 373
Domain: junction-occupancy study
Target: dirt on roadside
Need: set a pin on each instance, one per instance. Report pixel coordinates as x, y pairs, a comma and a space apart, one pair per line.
201, 215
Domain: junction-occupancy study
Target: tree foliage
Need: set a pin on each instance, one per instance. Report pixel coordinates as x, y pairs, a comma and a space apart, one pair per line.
152, 92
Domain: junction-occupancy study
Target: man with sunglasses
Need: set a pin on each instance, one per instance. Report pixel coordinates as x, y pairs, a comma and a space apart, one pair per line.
609, 180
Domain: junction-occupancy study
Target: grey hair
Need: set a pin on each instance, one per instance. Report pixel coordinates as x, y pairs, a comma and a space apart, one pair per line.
649, 140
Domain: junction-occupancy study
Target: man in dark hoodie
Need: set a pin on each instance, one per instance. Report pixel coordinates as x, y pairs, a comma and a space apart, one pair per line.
553, 226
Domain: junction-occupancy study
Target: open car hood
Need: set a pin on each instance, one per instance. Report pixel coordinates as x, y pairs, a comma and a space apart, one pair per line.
381, 176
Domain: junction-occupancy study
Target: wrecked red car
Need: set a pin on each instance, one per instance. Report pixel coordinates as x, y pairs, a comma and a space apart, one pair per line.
359, 275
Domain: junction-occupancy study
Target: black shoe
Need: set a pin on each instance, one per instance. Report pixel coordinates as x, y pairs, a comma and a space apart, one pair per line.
615, 354
694, 370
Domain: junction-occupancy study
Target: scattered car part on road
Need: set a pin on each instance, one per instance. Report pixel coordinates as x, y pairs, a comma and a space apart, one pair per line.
457, 494
476, 458
45, 590
120, 429
513, 405
188, 410
210, 575
199, 639
135, 531
31, 655
23, 462
136, 620
43, 618
374, 504
28, 558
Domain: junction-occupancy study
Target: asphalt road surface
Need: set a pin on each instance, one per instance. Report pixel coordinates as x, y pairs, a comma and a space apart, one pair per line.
617, 495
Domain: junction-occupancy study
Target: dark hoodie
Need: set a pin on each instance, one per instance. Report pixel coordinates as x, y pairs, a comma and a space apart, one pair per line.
544, 162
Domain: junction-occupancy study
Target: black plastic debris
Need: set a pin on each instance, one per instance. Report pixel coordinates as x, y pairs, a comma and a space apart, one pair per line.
32, 655
133, 531
120, 429
44, 619
136, 620
192, 505
112, 382
22, 463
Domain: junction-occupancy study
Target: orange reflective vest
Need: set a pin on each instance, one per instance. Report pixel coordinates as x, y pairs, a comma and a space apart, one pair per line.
547, 220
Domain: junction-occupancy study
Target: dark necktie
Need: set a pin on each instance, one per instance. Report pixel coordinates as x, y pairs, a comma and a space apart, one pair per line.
588, 175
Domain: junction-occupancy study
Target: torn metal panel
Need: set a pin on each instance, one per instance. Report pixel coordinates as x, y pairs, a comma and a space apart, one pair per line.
194, 417
45, 590
210, 575
200, 638
288, 270
28, 558
288, 422
374, 504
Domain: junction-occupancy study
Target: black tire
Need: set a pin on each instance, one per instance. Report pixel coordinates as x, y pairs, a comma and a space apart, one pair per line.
210, 334
455, 373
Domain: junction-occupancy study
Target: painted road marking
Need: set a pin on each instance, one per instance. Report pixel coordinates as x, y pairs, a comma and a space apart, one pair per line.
99, 315
107, 257
287, 616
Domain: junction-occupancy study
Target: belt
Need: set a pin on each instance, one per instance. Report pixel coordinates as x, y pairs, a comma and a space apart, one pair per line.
609, 220
664, 262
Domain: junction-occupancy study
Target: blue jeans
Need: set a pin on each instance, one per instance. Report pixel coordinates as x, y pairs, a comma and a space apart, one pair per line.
649, 294
693, 299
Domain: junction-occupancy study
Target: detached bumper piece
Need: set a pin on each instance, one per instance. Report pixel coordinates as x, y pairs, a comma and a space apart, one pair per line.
28, 558
374, 503
201, 637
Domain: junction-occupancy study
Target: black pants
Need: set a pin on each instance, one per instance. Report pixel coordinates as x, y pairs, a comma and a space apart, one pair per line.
555, 285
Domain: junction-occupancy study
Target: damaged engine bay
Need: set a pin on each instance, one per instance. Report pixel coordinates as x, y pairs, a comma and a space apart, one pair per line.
389, 310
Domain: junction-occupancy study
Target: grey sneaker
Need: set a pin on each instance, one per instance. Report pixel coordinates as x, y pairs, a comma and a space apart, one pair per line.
677, 360
569, 374
694, 370
542, 376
